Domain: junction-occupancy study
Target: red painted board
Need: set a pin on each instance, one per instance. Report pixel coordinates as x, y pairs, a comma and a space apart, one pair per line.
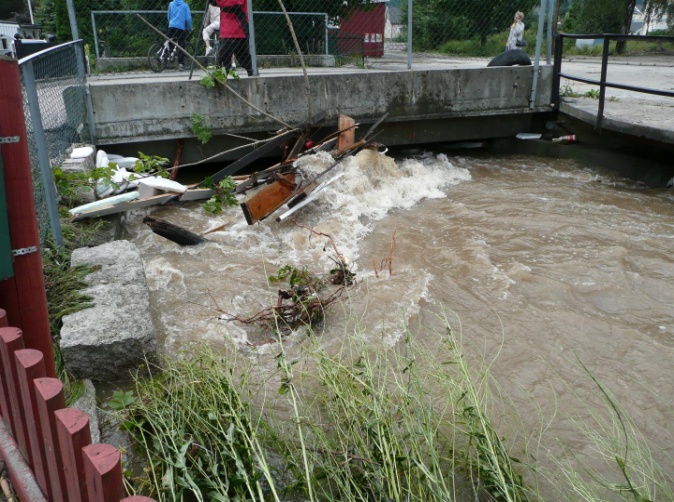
29, 366
11, 340
103, 469
51, 397
72, 426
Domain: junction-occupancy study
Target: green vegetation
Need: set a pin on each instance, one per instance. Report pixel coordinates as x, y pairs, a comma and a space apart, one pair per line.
223, 195
414, 422
200, 128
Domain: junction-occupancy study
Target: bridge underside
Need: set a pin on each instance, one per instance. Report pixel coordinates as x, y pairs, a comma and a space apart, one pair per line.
429, 106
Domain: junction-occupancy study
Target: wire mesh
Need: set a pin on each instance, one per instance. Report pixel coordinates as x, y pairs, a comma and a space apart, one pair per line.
342, 30
56, 79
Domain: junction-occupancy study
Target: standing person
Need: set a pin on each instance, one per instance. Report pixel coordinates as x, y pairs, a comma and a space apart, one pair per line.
211, 25
516, 32
180, 20
234, 34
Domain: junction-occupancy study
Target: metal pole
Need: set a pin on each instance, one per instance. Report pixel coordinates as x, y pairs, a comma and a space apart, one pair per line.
602, 82
548, 45
409, 34
42, 154
81, 73
93, 26
30, 11
73, 20
251, 38
539, 42
327, 52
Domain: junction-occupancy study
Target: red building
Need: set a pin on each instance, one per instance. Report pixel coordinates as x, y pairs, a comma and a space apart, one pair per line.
362, 31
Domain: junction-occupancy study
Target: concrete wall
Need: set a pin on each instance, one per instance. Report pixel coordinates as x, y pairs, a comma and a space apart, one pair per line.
438, 104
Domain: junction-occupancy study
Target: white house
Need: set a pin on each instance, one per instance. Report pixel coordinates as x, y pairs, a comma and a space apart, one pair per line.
393, 26
8, 29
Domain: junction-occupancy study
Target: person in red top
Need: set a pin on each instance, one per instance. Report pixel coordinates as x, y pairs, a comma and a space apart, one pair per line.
234, 34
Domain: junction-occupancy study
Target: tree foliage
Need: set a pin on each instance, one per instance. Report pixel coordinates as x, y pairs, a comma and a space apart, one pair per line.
434, 22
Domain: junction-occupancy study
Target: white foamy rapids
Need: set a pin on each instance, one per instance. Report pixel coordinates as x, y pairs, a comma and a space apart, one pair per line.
372, 186
239, 257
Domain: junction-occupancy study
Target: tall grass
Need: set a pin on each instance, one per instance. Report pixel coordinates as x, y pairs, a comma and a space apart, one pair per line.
365, 422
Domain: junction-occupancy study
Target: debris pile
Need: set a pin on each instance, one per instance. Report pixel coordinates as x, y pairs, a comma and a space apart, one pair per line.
260, 194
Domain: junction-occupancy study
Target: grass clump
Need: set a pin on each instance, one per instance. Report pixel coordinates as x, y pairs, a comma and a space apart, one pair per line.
367, 423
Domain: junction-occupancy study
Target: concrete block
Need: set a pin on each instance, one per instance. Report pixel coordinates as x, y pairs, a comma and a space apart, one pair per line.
111, 340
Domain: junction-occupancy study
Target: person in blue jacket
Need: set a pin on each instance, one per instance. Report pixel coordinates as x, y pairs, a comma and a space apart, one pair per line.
179, 22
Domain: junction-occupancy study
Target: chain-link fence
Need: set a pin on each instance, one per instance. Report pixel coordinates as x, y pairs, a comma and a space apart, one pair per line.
57, 115
344, 31
353, 30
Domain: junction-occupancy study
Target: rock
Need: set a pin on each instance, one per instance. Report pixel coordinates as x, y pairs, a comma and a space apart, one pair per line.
111, 340
87, 403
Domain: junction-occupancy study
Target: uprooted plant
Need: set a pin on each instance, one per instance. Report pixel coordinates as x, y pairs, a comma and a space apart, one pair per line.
304, 299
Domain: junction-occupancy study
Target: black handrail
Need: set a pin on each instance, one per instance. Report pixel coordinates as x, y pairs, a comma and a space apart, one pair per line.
602, 83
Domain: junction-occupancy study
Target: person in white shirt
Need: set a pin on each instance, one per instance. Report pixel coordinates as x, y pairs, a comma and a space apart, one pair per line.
211, 24
516, 32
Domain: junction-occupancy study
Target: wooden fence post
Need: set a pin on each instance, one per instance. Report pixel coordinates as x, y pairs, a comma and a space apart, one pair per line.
23, 295
29, 366
73, 433
5, 406
51, 397
3, 319
11, 340
103, 470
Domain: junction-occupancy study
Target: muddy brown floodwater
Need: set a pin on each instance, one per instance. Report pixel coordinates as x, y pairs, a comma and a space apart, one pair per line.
543, 262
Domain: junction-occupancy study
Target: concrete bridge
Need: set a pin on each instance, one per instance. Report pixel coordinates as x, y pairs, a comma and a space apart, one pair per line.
434, 102
440, 100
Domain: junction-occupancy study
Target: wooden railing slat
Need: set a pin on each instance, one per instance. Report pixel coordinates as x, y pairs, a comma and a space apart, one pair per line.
51, 397
5, 405
29, 366
103, 470
74, 434
11, 340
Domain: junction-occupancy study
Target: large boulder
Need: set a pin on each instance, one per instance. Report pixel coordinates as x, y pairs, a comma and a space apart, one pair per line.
111, 340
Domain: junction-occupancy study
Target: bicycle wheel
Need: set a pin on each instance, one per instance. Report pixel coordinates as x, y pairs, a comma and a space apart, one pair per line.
156, 57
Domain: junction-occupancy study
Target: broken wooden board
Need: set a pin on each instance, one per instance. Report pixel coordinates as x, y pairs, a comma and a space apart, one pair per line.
346, 137
157, 200
268, 199
251, 157
275, 142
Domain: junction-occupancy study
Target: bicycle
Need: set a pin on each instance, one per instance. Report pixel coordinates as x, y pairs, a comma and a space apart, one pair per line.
163, 54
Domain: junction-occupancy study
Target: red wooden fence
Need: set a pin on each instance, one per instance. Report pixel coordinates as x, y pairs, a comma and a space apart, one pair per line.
46, 446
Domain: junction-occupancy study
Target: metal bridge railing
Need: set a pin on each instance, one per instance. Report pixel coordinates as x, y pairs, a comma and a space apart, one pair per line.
58, 113
603, 83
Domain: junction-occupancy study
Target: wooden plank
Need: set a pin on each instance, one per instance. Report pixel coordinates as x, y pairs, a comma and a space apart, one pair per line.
156, 200
251, 157
196, 194
137, 498
11, 340
103, 470
29, 366
23, 295
72, 426
347, 136
268, 199
51, 397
